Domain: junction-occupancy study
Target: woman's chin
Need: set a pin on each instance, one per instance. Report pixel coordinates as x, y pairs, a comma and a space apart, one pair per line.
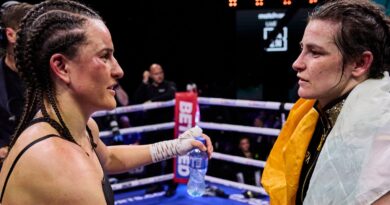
109, 106
304, 94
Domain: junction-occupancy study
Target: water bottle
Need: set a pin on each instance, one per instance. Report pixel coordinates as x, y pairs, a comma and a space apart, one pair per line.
196, 185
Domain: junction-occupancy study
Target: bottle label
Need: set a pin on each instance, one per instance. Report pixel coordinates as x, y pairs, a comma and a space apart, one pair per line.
198, 163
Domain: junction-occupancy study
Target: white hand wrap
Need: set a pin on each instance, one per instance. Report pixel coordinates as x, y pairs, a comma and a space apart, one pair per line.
172, 148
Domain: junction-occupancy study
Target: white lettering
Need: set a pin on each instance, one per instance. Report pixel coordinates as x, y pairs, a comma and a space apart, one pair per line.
185, 107
182, 165
270, 23
185, 118
271, 15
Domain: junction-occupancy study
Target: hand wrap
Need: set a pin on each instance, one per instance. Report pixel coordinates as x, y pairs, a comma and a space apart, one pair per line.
171, 148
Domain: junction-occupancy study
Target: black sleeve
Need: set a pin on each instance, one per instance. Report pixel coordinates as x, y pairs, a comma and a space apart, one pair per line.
168, 95
5, 129
141, 94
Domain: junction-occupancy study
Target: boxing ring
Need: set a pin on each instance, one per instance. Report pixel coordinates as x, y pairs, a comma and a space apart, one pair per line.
219, 190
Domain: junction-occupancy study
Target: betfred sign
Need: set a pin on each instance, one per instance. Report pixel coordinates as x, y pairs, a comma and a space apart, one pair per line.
186, 106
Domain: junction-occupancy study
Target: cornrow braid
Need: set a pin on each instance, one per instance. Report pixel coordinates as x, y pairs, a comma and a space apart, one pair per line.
42, 35
53, 26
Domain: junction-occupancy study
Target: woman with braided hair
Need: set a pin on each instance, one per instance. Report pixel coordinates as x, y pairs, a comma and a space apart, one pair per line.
64, 53
335, 145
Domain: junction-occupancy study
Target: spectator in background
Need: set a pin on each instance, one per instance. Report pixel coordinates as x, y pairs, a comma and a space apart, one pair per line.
263, 143
247, 174
11, 88
154, 87
121, 96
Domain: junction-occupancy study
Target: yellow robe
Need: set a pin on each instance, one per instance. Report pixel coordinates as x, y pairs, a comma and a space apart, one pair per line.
283, 167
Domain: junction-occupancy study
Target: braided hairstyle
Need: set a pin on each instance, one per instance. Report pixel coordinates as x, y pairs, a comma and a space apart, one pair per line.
363, 27
53, 26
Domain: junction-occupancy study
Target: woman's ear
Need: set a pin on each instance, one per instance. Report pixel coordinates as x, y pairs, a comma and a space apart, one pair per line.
363, 64
10, 35
58, 65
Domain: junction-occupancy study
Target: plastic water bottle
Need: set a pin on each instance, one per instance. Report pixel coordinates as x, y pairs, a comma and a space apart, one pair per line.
196, 185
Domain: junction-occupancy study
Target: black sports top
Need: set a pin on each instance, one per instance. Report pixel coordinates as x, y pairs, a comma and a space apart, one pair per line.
107, 189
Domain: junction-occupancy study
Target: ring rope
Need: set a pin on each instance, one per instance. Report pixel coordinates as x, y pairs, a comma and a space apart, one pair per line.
166, 177
238, 160
236, 184
201, 100
239, 128
244, 103
135, 108
138, 129
204, 125
140, 182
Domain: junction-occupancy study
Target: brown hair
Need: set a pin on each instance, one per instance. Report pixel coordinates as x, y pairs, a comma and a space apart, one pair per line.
363, 27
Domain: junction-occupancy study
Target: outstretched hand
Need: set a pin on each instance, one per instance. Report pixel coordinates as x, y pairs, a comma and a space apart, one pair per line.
182, 145
189, 142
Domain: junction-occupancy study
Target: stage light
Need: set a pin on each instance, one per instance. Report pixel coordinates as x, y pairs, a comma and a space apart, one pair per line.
232, 3
287, 2
313, 1
259, 3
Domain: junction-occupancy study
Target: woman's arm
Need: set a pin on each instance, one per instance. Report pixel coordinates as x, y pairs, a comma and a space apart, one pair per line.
121, 158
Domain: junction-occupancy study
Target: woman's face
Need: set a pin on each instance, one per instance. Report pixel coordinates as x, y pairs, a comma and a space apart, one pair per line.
244, 144
95, 71
320, 64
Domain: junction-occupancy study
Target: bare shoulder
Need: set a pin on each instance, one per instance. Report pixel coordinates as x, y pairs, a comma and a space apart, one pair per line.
46, 148
55, 153
50, 170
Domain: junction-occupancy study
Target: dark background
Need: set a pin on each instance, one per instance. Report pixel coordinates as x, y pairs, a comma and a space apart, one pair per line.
203, 42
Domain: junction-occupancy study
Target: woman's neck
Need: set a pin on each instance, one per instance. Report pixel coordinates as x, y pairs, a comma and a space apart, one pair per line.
72, 116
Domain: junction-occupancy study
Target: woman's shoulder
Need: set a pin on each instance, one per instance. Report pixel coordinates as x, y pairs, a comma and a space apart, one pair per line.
52, 169
41, 148
44, 146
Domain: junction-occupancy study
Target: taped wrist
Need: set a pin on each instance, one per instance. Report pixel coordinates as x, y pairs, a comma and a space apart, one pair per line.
169, 149
172, 148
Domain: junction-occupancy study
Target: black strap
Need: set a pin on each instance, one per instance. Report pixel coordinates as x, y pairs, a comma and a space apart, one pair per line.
48, 120
93, 144
18, 157
37, 120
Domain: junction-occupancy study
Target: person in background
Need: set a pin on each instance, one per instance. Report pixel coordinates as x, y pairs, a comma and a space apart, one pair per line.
11, 88
247, 174
65, 55
121, 96
154, 87
335, 145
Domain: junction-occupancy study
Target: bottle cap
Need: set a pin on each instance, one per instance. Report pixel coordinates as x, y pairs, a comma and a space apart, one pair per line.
201, 139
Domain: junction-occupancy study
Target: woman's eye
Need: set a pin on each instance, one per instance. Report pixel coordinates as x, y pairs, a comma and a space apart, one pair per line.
105, 57
315, 53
